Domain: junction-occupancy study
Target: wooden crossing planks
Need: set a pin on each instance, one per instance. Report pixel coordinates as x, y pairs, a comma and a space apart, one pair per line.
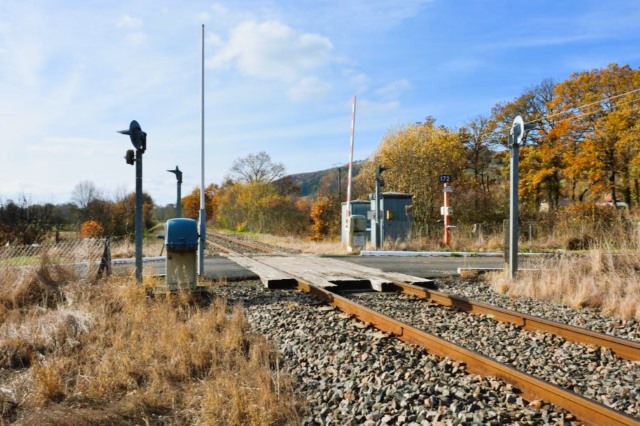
323, 272
270, 277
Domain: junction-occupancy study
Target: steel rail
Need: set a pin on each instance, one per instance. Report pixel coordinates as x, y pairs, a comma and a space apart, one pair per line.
220, 247
588, 411
241, 243
622, 347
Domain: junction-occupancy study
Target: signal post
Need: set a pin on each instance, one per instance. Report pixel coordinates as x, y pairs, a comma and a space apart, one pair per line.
446, 211
139, 142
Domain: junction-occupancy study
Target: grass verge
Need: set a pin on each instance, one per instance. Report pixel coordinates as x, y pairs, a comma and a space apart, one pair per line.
80, 352
598, 279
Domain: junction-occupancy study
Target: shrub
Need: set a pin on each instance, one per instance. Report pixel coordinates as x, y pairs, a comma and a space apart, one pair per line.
91, 229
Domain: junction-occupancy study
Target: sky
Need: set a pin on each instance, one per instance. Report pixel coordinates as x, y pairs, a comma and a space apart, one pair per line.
280, 76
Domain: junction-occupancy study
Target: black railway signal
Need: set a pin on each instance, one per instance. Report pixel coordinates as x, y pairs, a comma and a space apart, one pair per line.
129, 157
379, 171
139, 142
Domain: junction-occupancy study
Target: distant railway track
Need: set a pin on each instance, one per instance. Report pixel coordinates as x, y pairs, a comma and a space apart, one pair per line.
228, 244
533, 388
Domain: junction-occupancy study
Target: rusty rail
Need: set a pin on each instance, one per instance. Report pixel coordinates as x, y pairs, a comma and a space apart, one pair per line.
622, 347
588, 411
238, 242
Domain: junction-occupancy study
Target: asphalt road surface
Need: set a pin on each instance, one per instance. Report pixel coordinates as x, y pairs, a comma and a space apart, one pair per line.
218, 267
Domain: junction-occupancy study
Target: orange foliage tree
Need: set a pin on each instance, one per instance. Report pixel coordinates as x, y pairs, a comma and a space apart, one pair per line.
325, 217
191, 203
91, 229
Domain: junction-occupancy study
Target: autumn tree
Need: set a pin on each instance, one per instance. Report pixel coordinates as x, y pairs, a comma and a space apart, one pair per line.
191, 203
417, 154
256, 168
480, 185
260, 207
325, 217
602, 133
91, 229
326, 211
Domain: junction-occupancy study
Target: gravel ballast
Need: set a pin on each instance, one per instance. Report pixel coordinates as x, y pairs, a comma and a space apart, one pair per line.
350, 373
593, 372
587, 318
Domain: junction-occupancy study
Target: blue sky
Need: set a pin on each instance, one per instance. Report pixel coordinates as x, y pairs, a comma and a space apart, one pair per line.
280, 76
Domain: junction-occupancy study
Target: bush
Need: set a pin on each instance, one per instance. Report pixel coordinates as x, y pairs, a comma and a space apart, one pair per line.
91, 229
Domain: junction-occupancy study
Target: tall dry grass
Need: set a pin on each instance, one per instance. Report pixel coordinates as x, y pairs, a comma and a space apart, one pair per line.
125, 248
326, 247
80, 352
599, 279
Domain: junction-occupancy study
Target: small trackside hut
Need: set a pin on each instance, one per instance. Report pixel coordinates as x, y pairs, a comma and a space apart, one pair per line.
394, 218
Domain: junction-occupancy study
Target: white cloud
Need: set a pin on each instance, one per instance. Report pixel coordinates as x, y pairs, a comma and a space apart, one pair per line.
127, 21
309, 88
272, 50
393, 90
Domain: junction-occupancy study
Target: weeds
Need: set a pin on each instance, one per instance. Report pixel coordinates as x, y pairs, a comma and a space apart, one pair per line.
600, 279
105, 353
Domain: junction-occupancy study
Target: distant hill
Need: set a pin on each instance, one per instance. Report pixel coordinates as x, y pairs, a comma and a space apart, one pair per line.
309, 183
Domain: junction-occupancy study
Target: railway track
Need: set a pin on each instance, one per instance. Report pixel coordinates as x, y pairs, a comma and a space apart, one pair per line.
228, 244
482, 360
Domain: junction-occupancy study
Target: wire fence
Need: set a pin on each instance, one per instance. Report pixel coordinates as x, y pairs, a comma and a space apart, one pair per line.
89, 257
87, 250
538, 235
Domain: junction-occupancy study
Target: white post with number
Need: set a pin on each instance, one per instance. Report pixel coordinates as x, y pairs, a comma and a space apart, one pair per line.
446, 210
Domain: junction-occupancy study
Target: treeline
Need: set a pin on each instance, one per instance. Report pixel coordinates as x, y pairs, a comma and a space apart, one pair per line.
24, 223
584, 148
91, 213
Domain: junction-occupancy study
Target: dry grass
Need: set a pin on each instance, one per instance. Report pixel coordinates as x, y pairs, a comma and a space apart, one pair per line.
126, 248
327, 247
599, 279
79, 352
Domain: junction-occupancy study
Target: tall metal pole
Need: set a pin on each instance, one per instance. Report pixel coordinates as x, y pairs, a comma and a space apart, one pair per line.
179, 200
139, 141
203, 212
516, 134
513, 209
138, 215
351, 141
377, 216
178, 174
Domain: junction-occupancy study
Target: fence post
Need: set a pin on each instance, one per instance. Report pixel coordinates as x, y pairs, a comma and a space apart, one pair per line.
105, 262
